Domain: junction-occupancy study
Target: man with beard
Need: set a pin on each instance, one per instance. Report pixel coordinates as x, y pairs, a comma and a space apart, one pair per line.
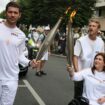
85, 49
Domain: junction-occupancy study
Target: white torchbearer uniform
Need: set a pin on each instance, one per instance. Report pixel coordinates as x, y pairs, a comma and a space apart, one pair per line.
12, 44
86, 50
94, 85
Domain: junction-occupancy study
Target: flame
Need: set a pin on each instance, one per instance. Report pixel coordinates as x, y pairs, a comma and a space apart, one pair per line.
67, 10
72, 15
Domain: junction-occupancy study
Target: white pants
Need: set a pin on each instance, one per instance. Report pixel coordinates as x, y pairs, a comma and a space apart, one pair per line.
8, 91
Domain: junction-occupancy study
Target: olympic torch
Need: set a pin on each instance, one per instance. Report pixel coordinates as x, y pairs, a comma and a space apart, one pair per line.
47, 42
70, 41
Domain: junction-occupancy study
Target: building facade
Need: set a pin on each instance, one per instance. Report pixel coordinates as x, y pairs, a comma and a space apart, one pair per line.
100, 13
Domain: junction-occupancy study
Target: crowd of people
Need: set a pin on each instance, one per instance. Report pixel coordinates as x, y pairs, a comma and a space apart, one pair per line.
88, 59
58, 45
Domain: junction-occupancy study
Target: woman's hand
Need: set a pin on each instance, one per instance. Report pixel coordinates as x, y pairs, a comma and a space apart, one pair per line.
70, 70
101, 100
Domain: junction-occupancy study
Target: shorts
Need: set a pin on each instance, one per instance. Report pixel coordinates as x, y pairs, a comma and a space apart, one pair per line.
45, 56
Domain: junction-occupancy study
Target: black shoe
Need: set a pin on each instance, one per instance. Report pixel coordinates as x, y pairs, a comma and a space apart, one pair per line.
38, 74
43, 73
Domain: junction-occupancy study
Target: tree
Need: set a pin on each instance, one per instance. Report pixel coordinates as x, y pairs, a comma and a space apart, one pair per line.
43, 12
84, 13
2, 15
26, 16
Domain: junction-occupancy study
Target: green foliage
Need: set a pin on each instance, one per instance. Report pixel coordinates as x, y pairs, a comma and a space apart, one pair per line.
84, 13
44, 12
2, 15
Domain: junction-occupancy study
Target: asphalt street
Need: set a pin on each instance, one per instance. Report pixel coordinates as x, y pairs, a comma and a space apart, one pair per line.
53, 89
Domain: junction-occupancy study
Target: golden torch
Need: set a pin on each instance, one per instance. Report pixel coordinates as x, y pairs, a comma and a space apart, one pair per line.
70, 41
47, 42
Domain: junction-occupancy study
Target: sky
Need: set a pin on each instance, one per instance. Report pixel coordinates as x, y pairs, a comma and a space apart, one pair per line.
3, 4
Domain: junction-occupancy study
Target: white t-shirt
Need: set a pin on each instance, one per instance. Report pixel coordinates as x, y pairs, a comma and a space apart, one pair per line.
12, 44
94, 84
85, 49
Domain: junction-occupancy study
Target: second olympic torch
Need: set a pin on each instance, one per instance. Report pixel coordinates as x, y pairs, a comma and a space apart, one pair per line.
70, 44
70, 40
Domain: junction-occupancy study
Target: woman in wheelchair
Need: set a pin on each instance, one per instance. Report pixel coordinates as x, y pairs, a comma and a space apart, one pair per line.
94, 80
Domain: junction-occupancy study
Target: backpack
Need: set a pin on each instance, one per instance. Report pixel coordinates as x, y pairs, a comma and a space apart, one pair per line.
79, 101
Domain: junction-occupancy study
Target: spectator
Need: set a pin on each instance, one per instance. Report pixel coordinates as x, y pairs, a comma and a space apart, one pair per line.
56, 39
40, 70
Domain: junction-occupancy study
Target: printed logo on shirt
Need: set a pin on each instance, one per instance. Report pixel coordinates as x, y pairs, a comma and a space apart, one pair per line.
14, 33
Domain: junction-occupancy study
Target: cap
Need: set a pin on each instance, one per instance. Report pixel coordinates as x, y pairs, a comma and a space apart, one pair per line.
47, 28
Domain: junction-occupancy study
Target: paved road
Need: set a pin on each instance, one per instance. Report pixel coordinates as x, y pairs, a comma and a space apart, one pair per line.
53, 89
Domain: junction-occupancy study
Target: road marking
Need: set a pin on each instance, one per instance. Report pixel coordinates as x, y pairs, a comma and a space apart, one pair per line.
33, 92
22, 86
